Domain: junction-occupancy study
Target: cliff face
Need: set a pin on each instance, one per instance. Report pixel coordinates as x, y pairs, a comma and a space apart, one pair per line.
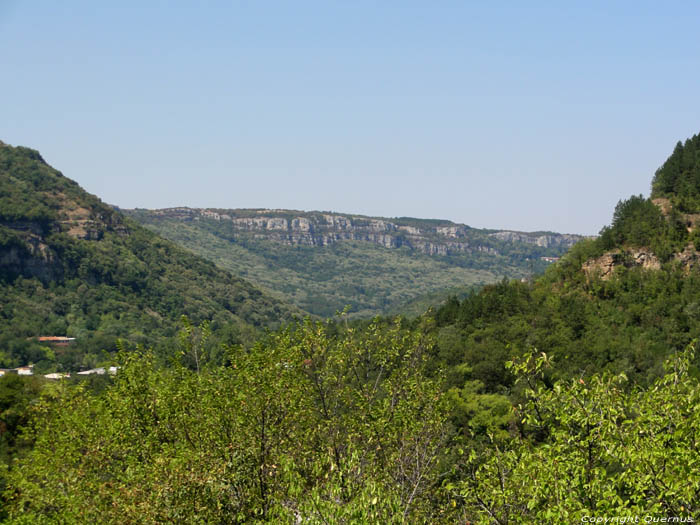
628, 256
295, 228
27, 254
27, 248
26, 241
604, 266
545, 240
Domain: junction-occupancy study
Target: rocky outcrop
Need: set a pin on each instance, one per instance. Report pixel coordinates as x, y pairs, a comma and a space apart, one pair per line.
28, 255
26, 250
689, 258
664, 205
644, 258
604, 266
545, 240
90, 225
323, 229
691, 220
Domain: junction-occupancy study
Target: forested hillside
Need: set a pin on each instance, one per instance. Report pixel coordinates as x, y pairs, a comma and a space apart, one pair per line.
622, 302
679, 177
72, 266
568, 398
323, 261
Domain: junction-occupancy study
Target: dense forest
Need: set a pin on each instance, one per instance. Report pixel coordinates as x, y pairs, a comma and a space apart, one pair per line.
557, 399
679, 178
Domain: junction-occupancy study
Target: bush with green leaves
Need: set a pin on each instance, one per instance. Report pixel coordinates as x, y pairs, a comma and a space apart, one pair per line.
303, 426
592, 447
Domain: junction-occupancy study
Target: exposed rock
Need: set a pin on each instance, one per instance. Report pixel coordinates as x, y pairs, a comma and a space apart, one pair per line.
664, 204
410, 230
604, 266
689, 258
324, 229
301, 224
277, 224
31, 258
452, 231
211, 215
543, 240
29, 254
338, 222
691, 220
644, 258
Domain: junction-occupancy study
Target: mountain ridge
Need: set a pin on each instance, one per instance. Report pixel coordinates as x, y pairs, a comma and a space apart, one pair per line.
315, 228
323, 262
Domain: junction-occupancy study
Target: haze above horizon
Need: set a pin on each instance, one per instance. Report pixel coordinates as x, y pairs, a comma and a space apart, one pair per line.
506, 117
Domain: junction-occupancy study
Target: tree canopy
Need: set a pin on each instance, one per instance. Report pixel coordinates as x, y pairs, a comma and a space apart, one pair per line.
679, 177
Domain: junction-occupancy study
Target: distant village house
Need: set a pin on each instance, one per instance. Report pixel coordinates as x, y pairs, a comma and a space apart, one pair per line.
99, 371
56, 375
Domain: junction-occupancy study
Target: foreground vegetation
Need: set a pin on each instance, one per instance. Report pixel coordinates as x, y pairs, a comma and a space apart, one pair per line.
321, 424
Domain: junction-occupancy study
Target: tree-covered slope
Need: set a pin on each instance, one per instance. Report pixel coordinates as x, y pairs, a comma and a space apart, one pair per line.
323, 261
679, 177
622, 302
72, 266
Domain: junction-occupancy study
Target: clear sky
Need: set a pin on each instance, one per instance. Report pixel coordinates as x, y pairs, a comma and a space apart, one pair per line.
519, 115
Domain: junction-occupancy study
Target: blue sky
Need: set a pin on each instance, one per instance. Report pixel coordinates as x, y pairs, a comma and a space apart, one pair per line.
500, 115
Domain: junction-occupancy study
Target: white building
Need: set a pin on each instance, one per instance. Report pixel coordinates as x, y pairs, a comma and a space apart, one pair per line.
98, 371
56, 375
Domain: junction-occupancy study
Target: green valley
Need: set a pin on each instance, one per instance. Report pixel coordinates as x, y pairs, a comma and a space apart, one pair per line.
322, 261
